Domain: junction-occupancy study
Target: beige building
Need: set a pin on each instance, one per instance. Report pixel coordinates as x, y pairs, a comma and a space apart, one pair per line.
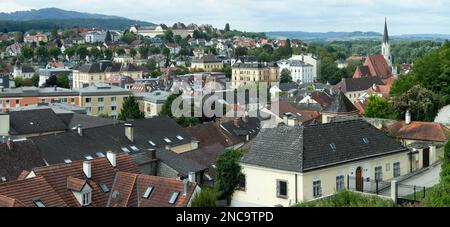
354, 88
102, 71
287, 165
340, 108
103, 99
243, 73
151, 102
207, 63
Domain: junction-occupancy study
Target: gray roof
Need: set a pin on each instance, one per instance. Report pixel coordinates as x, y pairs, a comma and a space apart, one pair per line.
301, 149
340, 104
103, 89
35, 121
37, 92
357, 84
108, 66
253, 65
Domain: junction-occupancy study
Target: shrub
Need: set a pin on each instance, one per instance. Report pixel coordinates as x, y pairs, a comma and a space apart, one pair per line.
206, 198
346, 198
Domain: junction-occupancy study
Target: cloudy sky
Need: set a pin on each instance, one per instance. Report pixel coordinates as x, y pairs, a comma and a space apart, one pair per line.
404, 16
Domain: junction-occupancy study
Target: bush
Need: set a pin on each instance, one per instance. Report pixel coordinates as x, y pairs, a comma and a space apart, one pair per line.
206, 198
438, 196
346, 198
228, 173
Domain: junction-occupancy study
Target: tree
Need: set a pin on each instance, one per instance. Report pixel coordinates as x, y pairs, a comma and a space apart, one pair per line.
133, 52
378, 107
60, 80
168, 36
108, 37
41, 53
108, 54
206, 198
18, 37
227, 70
95, 53
35, 79
70, 51
423, 104
54, 52
151, 65
402, 85
143, 51
27, 52
166, 110
82, 52
20, 82
120, 51
130, 110
227, 27
240, 51
285, 76
128, 38
228, 173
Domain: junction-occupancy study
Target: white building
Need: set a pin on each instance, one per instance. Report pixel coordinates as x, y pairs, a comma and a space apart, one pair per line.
95, 36
301, 72
309, 59
148, 31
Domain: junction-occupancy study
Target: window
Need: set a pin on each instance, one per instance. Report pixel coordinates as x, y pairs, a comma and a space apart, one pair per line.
113, 99
124, 149
281, 189
333, 146
88, 100
100, 154
378, 173
148, 192
101, 109
317, 188
39, 203
167, 140
86, 199
134, 148
64, 100
396, 169
67, 161
17, 102
113, 108
180, 138
72, 100
366, 141
340, 182
103, 187
388, 167
151, 143
174, 197
101, 99
88, 109
88, 157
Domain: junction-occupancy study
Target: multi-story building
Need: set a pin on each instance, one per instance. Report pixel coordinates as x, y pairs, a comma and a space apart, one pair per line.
243, 73
27, 96
310, 59
149, 31
207, 63
301, 72
95, 36
101, 72
102, 99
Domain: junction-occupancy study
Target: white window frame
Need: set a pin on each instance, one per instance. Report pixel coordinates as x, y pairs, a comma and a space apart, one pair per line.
340, 182
317, 188
379, 173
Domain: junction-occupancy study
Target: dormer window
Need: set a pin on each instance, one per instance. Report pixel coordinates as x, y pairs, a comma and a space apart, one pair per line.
88, 157
148, 192
100, 154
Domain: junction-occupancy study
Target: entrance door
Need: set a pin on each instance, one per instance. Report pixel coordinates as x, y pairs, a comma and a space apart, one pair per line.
358, 179
426, 157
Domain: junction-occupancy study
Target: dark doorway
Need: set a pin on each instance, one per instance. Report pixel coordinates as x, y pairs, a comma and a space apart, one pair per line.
426, 157
358, 179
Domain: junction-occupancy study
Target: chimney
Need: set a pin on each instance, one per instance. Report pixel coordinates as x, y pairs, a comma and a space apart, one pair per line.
185, 187
10, 144
80, 130
374, 87
247, 137
236, 122
129, 132
408, 117
111, 157
87, 169
191, 176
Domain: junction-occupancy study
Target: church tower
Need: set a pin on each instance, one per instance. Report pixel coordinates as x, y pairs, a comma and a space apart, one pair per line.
386, 48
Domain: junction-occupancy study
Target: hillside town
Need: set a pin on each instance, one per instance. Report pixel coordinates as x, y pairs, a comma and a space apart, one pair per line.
87, 120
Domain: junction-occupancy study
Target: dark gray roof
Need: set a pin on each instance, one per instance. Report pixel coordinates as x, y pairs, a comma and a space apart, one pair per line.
249, 127
357, 84
385, 35
35, 121
178, 162
108, 66
254, 65
27, 69
23, 155
301, 149
210, 58
340, 104
87, 121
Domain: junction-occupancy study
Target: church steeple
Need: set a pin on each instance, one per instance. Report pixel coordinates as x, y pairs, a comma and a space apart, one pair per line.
385, 35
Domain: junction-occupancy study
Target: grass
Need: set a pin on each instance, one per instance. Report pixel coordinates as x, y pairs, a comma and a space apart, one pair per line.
349, 199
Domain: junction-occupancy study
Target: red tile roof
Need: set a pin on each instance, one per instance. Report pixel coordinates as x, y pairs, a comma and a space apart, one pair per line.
75, 184
304, 116
132, 187
375, 65
417, 130
28, 190
380, 89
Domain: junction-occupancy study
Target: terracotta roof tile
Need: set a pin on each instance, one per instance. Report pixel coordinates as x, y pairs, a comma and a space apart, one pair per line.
417, 130
75, 184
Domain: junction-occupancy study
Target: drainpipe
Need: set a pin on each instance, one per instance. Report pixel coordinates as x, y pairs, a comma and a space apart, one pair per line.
296, 199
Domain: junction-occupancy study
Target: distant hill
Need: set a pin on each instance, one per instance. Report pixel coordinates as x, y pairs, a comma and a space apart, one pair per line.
50, 18
348, 36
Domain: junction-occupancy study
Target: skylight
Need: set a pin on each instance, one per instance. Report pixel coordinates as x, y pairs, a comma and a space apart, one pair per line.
167, 140
100, 154
333, 146
151, 143
134, 148
180, 138
88, 157
104, 187
124, 149
365, 140
174, 197
148, 192
39, 203
67, 161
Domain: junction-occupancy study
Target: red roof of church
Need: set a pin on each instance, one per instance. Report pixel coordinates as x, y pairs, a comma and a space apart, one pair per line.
375, 65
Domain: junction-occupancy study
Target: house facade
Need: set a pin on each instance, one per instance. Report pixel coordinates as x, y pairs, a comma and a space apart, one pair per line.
243, 73
207, 63
301, 72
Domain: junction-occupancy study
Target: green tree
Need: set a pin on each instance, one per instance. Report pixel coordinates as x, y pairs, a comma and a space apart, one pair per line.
41, 53
54, 52
227, 27
206, 198
60, 80
20, 82
422, 103
143, 51
95, 53
108, 54
35, 79
378, 107
70, 51
402, 85
128, 38
120, 51
27, 52
18, 37
240, 51
130, 110
168, 36
133, 52
228, 173
285, 76
227, 70
82, 52
108, 37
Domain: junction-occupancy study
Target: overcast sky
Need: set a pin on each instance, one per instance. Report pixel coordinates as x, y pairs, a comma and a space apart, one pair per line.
404, 16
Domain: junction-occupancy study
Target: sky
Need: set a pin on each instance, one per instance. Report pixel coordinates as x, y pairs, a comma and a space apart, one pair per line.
404, 16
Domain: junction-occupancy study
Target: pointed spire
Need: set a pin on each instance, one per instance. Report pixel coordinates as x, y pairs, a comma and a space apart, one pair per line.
385, 35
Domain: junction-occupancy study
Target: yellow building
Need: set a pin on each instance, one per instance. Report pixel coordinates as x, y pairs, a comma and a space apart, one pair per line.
102, 99
102, 71
287, 165
243, 73
207, 63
